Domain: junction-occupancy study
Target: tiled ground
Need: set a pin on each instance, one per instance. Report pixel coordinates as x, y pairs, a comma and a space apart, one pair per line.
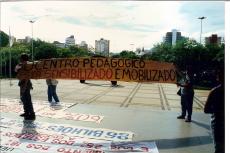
126, 94
148, 110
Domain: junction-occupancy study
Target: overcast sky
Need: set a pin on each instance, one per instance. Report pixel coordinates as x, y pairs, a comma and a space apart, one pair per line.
141, 23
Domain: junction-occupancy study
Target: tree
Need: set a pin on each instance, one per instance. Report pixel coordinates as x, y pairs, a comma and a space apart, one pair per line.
64, 53
161, 52
16, 51
79, 52
4, 39
128, 54
44, 50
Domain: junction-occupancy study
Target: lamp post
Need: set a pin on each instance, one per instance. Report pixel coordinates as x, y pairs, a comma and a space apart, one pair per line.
32, 48
11, 41
132, 47
201, 18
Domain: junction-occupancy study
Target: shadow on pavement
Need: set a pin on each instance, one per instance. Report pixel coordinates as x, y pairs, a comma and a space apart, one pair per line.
103, 85
183, 142
206, 126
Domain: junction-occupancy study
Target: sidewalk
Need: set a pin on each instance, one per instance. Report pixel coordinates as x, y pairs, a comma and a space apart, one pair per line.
147, 110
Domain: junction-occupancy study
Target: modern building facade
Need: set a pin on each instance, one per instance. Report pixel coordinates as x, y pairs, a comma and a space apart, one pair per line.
83, 44
70, 41
172, 37
213, 39
102, 47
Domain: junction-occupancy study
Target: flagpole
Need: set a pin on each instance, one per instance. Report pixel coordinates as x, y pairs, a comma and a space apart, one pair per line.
10, 44
10, 69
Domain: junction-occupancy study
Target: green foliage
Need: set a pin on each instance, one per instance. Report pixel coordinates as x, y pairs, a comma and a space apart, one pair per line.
128, 54
78, 52
185, 52
189, 52
64, 53
44, 50
162, 52
15, 52
4, 39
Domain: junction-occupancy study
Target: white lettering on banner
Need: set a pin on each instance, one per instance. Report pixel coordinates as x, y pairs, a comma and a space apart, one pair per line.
86, 132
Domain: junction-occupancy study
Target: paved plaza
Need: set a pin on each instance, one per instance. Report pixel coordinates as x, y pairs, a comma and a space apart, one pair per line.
148, 110
153, 96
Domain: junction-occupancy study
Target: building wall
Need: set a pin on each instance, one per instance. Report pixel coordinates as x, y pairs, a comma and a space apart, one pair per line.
69, 41
84, 45
213, 39
102, 47
168, 38
172, 37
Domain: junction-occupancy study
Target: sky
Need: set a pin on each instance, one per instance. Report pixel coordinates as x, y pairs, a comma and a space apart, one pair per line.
127, 24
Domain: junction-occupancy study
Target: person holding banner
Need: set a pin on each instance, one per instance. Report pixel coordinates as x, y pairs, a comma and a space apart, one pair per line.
25, 87
52, 85
187, 94
215, 106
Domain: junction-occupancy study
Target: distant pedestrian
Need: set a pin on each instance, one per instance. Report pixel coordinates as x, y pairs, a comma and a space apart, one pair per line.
187, 94
215, 106
52, 85
25, 87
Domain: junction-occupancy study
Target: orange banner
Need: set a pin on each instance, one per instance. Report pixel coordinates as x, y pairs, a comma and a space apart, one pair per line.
100, 69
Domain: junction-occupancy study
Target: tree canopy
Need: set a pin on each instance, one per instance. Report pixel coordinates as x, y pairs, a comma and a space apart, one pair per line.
4, 39
185, 52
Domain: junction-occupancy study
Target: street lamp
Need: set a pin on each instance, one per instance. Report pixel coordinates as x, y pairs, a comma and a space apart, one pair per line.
201, 18
32, 21
132, 49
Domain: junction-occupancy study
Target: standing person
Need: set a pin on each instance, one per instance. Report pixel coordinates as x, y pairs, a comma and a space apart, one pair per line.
52, 85
18, 66
25, 87
187, 94
215, 106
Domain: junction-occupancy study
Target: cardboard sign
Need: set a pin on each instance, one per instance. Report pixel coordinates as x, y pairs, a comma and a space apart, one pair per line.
100, 69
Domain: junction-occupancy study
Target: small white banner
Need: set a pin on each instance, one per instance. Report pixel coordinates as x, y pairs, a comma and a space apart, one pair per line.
58, 112
61, 114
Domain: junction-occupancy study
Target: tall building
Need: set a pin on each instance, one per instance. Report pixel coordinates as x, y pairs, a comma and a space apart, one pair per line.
26, 40
213, 39
172, 37
102, 47
70, 41
83, 44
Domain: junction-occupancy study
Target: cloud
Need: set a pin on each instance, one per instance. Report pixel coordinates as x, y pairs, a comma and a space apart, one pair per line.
142, 23
213, 11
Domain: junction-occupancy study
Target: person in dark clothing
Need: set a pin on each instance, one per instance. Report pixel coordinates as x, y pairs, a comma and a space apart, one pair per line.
187, 94
25, 87
215, 106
